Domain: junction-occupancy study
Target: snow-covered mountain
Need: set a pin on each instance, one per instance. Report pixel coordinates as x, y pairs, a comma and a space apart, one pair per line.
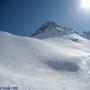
51, 29
42, 62
86, 35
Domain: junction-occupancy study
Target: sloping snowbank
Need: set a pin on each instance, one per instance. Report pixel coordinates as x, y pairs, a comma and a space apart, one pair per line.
47, 64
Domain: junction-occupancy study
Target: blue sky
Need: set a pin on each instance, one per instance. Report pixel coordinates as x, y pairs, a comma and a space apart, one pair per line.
23, 17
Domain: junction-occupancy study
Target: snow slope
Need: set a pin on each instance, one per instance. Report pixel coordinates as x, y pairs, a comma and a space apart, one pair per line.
86, 34
45, 64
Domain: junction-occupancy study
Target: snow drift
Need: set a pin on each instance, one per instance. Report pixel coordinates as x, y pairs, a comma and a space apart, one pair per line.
38, 63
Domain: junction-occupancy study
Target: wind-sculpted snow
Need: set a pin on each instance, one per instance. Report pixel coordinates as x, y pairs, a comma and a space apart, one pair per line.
57, 63
63, 66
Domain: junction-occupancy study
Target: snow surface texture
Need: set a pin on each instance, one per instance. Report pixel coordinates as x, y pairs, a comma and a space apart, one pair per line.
53, 63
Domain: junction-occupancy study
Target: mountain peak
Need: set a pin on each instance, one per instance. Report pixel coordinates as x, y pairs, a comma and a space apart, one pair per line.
51, 29
48, 25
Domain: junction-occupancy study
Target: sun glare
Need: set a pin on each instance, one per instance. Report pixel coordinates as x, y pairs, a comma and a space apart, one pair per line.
85, 4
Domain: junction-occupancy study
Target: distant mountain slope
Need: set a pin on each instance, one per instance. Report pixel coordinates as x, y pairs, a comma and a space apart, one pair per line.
51, 29
86, 35
45, 64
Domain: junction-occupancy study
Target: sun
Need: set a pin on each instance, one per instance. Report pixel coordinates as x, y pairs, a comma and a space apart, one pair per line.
85, 4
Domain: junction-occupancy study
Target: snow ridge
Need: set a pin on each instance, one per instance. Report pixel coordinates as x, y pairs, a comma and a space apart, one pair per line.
51, 29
